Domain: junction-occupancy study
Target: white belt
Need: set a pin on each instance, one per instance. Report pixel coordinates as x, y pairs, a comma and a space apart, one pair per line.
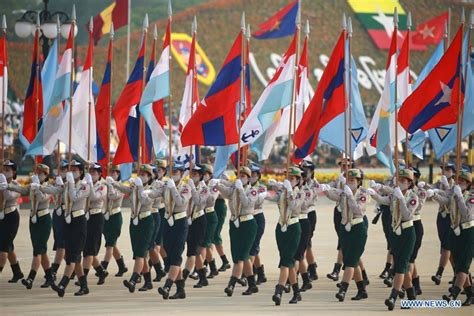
356, 221
292, 221
303, 216
179, 215
313, 210
417, 217
42, 213
196, 215
258, 211
143, 215
209, 209
154, 210
162, 205
9, 210
407, 224
114, 211
94, 211
467, 225
77, 213
245, 218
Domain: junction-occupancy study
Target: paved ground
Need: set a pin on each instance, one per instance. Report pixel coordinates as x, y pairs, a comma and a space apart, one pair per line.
113, 297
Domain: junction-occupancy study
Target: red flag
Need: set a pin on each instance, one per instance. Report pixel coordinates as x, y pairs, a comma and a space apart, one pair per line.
116, 12
431, 31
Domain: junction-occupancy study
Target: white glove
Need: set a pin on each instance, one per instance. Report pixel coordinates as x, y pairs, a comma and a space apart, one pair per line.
34, 186
342, 179
135, 221
371, 191
213, 182
3, 186
88, 179
429, 193
238, 184
374, 185
287, 186
35, 179
191, 184
348, 191
145, 193
272, 182
435, 191
262, 195
444, 181
69, 177
34, 219
421, 184
398, 193
2, 178
109, 180
59, 181
68, 219
457, 191
170, 183
324, 187
138, 182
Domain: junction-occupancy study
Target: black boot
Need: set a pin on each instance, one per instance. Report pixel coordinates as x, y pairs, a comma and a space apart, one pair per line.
122, 268
180, 293
202, 279
225, 264
61, 287
28, 282
365, 277
185, 274
84, 290
73, 275
278, 294
147, 285
384, 273
306, 282
416, 285
86, 273
361, 292
401, 293
252, 286
341, 295
296, 294
165, 290
389, 280
410, 295
390, 302
160, 273
261, 278
193, 275
287, 287
469, 295
104, 264
49, 278
54, 270
102, 274
166, 262
242, 280
334, 275
17, 274
229, 290
130, 284
437, 277
313, 274
213, 267
454, 294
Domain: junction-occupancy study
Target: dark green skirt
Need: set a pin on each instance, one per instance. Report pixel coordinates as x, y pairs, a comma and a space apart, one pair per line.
112, 229
402, 248
287, 243
39, 234
141, 235
221, 211
461, 246
353, 244
241, 239
210, 229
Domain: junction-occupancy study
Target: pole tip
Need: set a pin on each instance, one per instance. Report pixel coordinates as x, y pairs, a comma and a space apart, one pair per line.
155, 32
73, 14
248, 34
344, 21
170, 9
307, 29
471, 19
38, 22
194, 25
91, 25
4, 22
58, 24
298, 14
349, 26
395, 17
145, 22
463, 15
409, 23
112, 30
446, 28
242, 21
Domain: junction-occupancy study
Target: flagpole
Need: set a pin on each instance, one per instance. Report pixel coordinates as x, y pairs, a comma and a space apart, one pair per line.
170, 140
349, 103
73, 25
297, 58
409, 24
395, 32
127, 64
58, 32
460, 109
91, 27
445, 46
471, 26
141, 122
194, 34
346, 155
37, 57
4, 33
242, 89
307, 30
109, 119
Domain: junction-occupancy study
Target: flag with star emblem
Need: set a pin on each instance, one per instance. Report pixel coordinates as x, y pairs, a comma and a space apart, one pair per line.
377, 18
281, 24
436, 101
431, 31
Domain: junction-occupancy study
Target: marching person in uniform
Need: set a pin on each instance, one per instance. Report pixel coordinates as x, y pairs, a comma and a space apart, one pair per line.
9, 220
288, 231
403, 202
39, 224
242, 228
113, 223
76, 191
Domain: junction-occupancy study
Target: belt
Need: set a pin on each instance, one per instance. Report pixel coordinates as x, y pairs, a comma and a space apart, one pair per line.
407, 224
179, 215
292, 221
209, 209
9, 210
77, 213
258, 211
162, 205
303, 216
154, 210
143, 215
196, 215
417, 217
467, 225
356, 221
245, 218
115, 210
42, 213
313, 210
94, 211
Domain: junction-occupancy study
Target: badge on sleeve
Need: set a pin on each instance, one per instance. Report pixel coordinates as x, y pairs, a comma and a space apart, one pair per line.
254, 192
308, 194
471, 200
413, 202
422, 194
214, 189
363, 198
185, 190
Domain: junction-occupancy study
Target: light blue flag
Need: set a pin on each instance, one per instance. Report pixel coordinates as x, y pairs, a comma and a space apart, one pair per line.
126, 171
385, 157
48, 75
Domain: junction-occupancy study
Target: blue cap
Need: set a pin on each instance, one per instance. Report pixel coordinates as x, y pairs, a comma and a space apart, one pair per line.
178, 165
255, 168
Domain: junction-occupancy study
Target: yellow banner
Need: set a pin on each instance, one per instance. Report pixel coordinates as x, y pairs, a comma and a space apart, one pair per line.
375, 6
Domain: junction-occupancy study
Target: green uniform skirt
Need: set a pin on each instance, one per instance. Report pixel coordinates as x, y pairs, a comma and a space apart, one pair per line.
353, 244
402, 248
141, 235
211, 227
39, 234
112, 229
287, 243
461, 246
241, 239
221, 211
